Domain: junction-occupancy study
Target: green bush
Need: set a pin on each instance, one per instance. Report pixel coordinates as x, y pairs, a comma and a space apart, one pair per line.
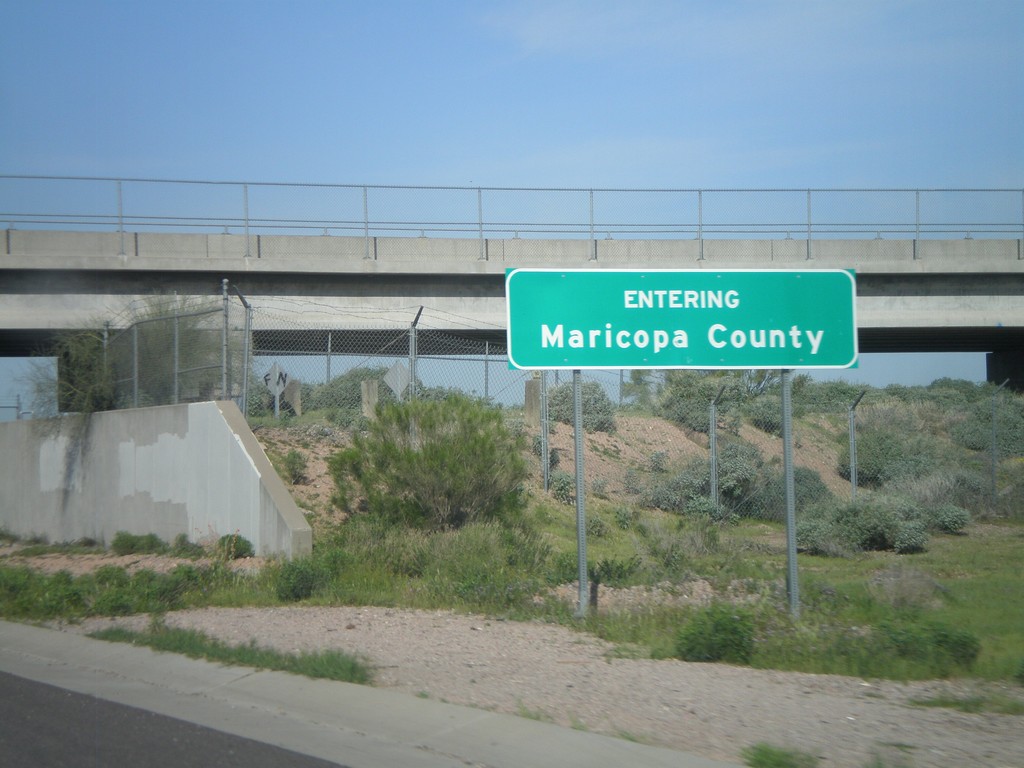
295, 465
233, 546
886, 453
440, 464
878, 522
948, 518
765, 413
598, 410
770, 504
563, 486
300, 578
125, 543
718, 632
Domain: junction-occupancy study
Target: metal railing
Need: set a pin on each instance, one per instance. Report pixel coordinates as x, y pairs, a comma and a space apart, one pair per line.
174, 205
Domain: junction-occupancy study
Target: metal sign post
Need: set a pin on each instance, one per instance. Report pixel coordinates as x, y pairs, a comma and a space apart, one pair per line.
570, 319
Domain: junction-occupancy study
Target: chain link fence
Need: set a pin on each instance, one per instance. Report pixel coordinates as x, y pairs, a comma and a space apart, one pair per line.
681, 441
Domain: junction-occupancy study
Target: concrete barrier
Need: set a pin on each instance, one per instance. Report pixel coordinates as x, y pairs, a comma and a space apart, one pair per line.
193, 469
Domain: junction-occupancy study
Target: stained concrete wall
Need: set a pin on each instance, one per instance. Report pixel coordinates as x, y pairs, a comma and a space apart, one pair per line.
195, 469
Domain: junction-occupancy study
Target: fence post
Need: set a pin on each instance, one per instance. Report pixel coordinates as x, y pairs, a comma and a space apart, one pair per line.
995, 446
808, 224
412, 355
135, 365
120, 217
713, 448
224, 343
480, 223
853, 445
593, 241
792, 585
700, 222
177, 358
245, 212
487, 370
545, 455
366, 226
581, 514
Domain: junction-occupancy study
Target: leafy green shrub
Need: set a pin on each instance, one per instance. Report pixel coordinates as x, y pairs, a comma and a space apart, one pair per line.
973, 427
563, 486
234, 546
598, 411
948, 518
182, 547
615, 571
686, 398
111, 576
808, 488
125, 543
596, 527
886, 453
911, 536
439, 464
656, 461
765, 413
718, 632
300, 578
878, 522
624, 517
344, 394
295, 465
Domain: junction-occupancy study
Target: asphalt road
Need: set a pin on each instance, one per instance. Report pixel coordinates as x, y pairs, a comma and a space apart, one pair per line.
44, 726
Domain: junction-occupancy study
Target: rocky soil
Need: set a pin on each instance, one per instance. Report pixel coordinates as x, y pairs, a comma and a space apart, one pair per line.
552, 673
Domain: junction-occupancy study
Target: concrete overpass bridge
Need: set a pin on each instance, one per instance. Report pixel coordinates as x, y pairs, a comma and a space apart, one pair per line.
946, 284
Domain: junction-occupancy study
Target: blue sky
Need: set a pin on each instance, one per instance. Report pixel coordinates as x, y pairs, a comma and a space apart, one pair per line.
645, 93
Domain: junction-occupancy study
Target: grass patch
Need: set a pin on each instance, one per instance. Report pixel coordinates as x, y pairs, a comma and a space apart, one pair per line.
328, 665
766, 756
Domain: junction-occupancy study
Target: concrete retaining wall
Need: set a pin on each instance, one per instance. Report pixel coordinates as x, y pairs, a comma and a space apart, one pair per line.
195, 469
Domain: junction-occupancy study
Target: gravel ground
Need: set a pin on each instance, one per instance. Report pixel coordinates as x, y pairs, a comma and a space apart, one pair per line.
552, 673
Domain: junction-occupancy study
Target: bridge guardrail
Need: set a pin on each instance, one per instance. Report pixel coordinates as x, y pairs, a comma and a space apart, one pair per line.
168, 205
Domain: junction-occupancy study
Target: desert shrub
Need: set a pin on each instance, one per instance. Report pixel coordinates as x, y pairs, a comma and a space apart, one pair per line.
624, 518
438, 464
631, 481
300, 578
182, 547
672, 492
598, 410
718, 632
553, 454
596, 527
234, 546
563, 486
344, 393
808, 488
125, 543
686, 398
948, 518
879, 522
615, 571
765, 413
911, 536
739, 470
295, 465
656, 461
961, 487
972, 428
886, 453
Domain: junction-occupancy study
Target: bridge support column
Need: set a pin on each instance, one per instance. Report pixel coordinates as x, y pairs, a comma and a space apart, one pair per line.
1001, 366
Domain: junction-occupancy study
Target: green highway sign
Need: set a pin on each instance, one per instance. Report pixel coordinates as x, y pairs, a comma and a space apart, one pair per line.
706, 319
